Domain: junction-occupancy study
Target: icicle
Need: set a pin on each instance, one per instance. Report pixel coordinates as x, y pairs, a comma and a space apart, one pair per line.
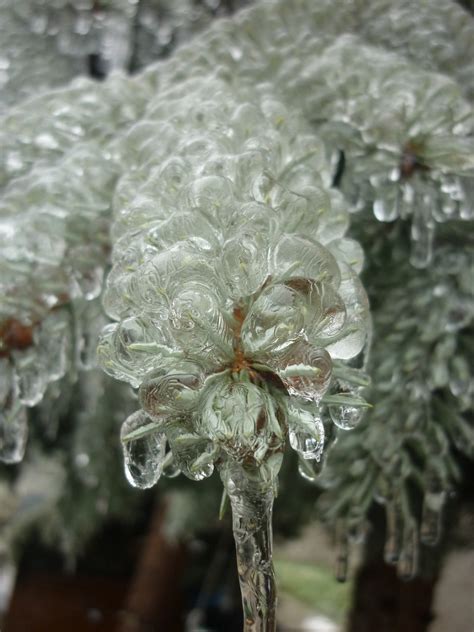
408, 560
13, 430
357, 532
433, 504
422, 236
342, 555
89, 320
52, 344
306, 432
30, 377
393, 531
8, 571
251, 497
143, 452
6, 379
53, 405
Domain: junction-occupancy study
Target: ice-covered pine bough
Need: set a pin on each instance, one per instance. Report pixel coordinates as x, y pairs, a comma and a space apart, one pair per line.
232, 59
236, 299
423, 168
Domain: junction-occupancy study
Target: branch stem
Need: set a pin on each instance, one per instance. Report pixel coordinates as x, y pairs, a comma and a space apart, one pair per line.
251, 498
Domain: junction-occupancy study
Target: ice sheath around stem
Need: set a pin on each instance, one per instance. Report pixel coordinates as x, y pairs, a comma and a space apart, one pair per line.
251, 498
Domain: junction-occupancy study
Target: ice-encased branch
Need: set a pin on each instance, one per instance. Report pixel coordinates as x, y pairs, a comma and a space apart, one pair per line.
251, 498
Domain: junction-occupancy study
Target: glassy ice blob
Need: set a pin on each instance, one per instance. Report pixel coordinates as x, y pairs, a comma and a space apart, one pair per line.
143, 450
306, 432
308, 372
346, 417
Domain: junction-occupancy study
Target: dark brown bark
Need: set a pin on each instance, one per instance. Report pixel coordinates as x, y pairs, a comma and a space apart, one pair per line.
49, 601
382, 601
154, 600
385, 603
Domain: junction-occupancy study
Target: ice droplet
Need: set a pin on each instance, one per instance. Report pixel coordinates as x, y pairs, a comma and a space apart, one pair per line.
30, 377
306, 432
346, 417
13, 430
198, 471
459, 376
422, 238
308, 372
193, 454
305, 444
82, 460
310, 469
386, 210
458, 315
144, 453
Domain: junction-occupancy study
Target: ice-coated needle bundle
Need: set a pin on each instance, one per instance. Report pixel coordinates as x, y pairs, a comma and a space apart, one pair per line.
45, 44
54, 238
237, 298
405, 454
233, 283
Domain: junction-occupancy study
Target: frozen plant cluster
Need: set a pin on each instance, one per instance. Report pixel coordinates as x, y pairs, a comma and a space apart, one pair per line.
230, 169
71, 481
404, 455
161, 25
55, 250
403, 132
29, 62
83, 27
232, 281
285, 53
413, 157
46, 43
237, 298
54, 236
